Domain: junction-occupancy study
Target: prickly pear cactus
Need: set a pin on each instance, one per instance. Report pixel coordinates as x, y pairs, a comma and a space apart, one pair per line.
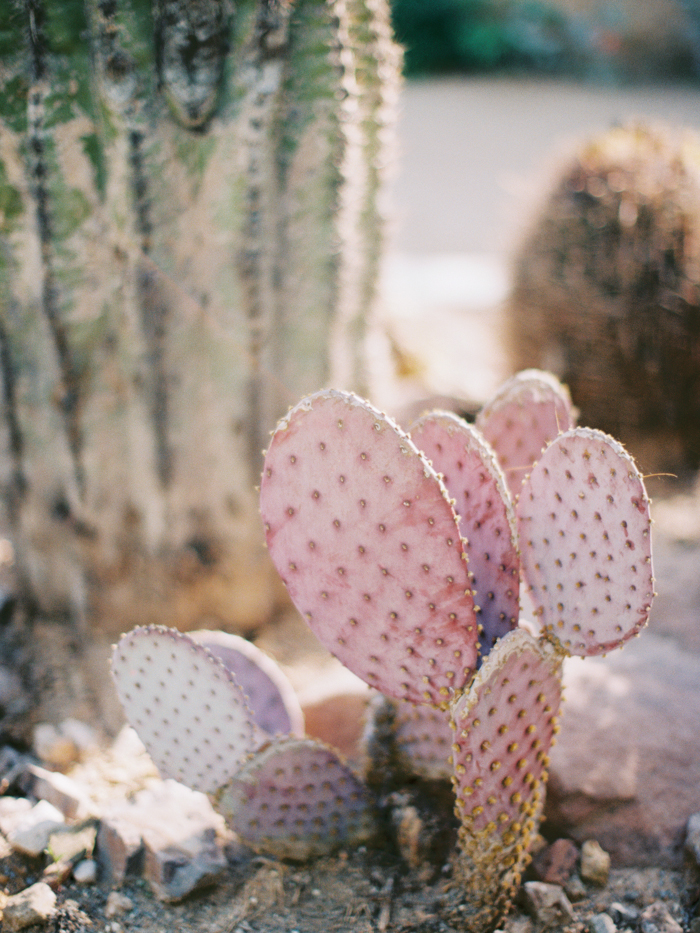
404, 740
186, 707
474, 478
189, 238
585, 534
503, 730
347, 499
285, 796
271, 697
524, 416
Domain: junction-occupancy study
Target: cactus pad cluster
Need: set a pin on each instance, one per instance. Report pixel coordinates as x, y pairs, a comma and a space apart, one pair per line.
216, 714
360, 520
406, 554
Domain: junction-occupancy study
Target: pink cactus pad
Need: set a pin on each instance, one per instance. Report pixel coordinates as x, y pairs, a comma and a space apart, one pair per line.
503, 730
525, 415
186, 707
296, 799
270, 696
474, 479
363, 534
585, 537
423, 740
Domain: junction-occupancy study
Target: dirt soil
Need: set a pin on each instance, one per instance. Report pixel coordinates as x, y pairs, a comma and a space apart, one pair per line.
362, 891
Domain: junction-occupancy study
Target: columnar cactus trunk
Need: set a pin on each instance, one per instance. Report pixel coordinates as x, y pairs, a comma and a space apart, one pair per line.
189, 234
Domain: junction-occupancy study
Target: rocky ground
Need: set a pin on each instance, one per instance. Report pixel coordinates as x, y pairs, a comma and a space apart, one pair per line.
85, 858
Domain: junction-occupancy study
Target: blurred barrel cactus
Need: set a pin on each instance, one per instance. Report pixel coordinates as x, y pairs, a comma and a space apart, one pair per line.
606, 288
189, 238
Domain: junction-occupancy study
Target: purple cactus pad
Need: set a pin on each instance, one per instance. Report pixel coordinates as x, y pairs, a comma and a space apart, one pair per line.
487, 523
296, 799
270, 695
504, 727
525, 415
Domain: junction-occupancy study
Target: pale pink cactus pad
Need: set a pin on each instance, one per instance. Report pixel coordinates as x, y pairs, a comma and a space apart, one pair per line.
585, 534
363, 534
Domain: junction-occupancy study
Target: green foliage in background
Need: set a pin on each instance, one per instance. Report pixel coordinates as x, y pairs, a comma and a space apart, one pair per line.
483, 35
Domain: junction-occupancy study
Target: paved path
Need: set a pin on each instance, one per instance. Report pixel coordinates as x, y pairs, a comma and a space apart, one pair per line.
474, 153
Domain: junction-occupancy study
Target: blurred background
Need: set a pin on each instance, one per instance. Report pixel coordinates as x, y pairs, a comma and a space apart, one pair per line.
499, 95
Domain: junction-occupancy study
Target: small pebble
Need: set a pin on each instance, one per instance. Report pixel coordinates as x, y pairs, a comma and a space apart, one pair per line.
595, 863
117, 904
85, 872
692, 837
547, 903
555, 863
601, 923
623, 914
31, 834
656, 918
575, 888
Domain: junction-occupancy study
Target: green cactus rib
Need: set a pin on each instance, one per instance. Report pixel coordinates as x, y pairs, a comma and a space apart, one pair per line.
189, 224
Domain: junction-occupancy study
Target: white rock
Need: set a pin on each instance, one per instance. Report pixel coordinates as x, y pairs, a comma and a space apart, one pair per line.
547, 903
692, 837
54, 748
595, 863
12, 812
656, 918
85, 872
117, 904
31, 833
602, 923
35, 904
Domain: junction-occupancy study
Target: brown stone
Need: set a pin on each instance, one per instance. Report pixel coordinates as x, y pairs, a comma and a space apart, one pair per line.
555, 863
625, 770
